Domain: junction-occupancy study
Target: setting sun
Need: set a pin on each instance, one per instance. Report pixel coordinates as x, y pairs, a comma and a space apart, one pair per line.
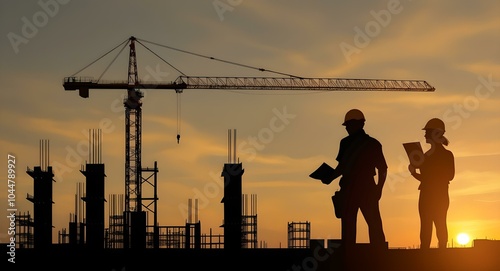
463, 239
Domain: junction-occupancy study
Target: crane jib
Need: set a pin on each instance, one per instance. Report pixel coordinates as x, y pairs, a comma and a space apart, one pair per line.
254, 83
297, 83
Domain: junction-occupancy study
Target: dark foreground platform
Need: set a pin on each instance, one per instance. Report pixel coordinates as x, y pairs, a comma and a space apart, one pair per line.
485, 257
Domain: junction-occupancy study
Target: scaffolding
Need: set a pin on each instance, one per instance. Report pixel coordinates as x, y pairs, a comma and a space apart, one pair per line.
249, 222
116, 225
212, 241
24, 230
172, 236
76, 220
63, 236
151, 205
299, 234
193, 226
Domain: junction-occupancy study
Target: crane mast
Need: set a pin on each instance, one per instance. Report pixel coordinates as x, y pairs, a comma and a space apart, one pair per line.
133, 127
133, 107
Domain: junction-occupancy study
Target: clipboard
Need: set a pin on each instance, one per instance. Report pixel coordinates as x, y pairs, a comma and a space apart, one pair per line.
323, 172
414, 152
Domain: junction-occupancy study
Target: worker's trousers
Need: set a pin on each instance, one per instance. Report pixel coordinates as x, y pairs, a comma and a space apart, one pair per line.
433, 208
369, 206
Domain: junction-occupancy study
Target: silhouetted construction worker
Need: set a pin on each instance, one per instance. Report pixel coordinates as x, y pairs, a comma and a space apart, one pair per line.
437, 169
360, 158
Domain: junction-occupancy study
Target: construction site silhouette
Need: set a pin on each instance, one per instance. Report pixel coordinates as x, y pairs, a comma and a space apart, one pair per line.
140, 246
133, 238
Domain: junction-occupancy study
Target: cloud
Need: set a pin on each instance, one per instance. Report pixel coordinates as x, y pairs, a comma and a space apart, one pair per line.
477, 183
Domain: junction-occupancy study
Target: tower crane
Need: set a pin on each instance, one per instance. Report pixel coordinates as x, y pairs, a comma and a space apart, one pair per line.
133, 103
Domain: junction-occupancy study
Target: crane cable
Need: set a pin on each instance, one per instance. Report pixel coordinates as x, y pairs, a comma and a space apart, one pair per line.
139, 41
101, 57
178, 92
203, 56
221, 60
178, 115
111, 63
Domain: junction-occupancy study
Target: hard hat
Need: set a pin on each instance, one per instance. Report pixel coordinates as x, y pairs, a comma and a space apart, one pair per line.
353, 114
435, 124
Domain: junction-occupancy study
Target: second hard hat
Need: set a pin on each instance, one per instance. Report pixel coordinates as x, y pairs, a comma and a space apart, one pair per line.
353, 114
434, 124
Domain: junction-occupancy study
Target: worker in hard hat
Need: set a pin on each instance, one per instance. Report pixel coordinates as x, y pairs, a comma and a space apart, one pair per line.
436, 171
360, 158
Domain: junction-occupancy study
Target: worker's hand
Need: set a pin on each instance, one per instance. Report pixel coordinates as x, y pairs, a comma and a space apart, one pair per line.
412, 169
378, 192
326, 181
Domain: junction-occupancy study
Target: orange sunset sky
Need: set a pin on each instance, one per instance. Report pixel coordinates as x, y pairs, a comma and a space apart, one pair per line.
281, 135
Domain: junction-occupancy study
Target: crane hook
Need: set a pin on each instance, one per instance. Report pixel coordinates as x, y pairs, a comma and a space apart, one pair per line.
178, 114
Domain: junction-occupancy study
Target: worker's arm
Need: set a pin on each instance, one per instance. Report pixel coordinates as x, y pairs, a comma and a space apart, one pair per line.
382, 176
413, 172
381, 166
335, 174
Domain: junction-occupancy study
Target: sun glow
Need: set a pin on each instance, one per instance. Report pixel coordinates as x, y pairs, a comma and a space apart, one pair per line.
463, 239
